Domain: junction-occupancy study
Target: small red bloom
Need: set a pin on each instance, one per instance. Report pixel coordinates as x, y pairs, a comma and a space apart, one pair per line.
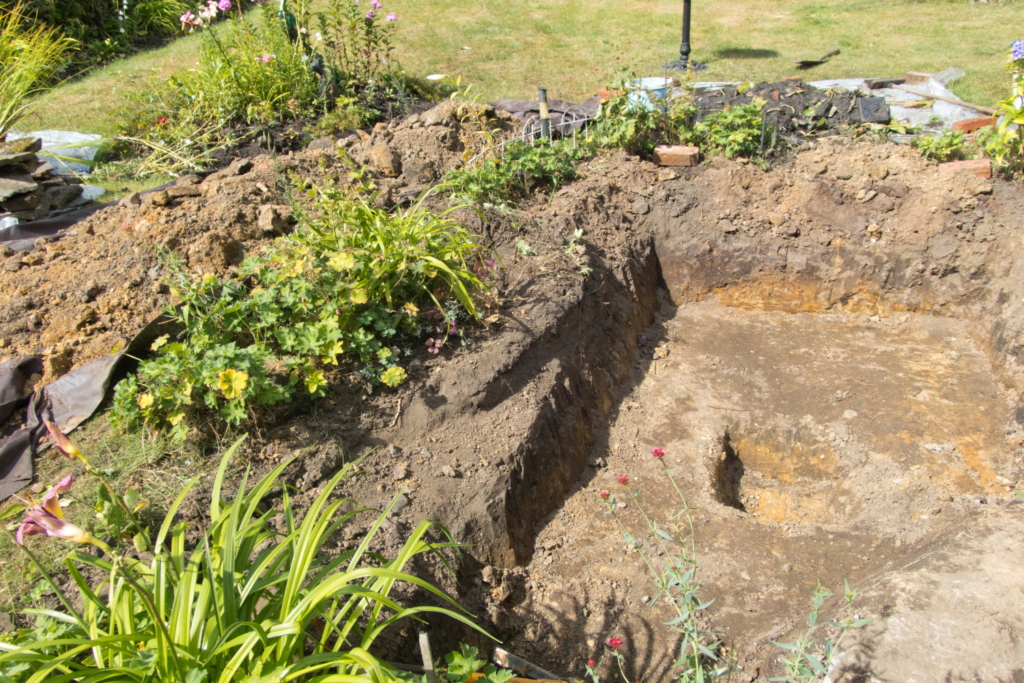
658, 453
591, 663
603, 495
623, 479
614, 643
161, 121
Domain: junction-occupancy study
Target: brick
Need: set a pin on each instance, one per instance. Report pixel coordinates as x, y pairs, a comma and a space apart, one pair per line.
608, 93
979, 167
676, 155
968, 126
916, 77
795, 80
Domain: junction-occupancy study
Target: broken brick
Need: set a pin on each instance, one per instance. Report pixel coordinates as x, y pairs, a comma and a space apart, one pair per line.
979, 167
968, 126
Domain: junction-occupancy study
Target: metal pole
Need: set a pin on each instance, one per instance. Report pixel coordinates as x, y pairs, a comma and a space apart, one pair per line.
684, 63
545, 117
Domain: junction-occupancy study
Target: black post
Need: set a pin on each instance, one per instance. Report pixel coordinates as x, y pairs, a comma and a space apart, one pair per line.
684, 63
684, 47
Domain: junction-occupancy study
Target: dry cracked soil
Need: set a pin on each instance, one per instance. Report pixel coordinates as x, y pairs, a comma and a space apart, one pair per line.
828, 351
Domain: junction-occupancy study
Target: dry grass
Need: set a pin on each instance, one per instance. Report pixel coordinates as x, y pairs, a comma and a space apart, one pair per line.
576, 46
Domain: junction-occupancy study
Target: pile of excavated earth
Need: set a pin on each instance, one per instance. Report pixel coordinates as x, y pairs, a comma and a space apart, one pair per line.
828, 351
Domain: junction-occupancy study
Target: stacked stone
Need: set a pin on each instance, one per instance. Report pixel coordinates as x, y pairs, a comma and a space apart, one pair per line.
28, 188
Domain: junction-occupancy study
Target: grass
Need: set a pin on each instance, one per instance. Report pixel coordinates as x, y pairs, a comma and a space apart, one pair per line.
575, 46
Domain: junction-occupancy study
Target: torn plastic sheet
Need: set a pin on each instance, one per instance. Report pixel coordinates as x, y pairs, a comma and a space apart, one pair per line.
67, 401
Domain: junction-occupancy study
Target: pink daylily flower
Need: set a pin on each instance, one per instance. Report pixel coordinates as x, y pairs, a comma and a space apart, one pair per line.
48, 518
63, 443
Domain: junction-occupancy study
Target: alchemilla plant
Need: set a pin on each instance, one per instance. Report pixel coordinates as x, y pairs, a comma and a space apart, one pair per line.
351, 284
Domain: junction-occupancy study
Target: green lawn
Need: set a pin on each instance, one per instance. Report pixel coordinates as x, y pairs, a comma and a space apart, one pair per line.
576, 46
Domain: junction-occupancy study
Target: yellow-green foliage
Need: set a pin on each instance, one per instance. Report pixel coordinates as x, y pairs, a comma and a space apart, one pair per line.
29, 57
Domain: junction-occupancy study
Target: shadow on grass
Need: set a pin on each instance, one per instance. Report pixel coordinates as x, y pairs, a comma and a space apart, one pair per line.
746, 53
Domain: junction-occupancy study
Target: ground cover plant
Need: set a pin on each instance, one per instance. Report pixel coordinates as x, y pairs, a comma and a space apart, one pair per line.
1006, 143
524, 167
351, 281
256, 598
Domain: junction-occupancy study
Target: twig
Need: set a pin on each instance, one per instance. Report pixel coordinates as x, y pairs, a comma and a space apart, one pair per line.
397, 415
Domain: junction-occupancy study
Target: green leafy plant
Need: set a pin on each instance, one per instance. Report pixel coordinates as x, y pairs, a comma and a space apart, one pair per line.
463, 664
1005, 145
256, 599
356, 39
524, 169
806, 665
30, 56
735, 132
524, 249
350, 280
700, 657
636, 124
946, 147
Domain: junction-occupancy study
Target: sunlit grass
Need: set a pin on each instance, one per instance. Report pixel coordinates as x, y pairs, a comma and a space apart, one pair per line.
574, 47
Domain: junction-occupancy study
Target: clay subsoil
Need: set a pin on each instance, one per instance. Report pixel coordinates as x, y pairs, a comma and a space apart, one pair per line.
827, 351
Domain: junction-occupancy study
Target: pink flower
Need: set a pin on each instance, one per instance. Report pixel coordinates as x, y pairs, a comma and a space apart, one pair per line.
224, 5
614, 643
63, 443
623, 479
266, 59
189, 19
161, 121
369, 14
603, 495
392, 17
658, 453
48, 518
591, 663
375, 3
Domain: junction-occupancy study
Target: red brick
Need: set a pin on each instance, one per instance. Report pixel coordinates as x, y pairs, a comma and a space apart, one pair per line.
608, 93
979, 167
676, 155
973, 125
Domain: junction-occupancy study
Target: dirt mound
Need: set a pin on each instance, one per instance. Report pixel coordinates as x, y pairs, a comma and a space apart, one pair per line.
854, 267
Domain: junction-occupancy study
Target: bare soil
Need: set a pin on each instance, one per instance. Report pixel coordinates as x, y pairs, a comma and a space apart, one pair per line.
828, 351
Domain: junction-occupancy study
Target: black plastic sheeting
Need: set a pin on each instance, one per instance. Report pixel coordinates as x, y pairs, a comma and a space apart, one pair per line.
22, 237
68, 401
565, 116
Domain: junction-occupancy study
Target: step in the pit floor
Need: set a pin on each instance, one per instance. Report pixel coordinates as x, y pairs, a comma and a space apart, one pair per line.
811, 448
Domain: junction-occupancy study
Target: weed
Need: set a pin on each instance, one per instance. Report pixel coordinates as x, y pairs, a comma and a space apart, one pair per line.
463, 665
700, 658
524, 168
733, 133
29, 58
946, 147
350, 280
804, 665
638, 126
255, 599
524, 249
356, 39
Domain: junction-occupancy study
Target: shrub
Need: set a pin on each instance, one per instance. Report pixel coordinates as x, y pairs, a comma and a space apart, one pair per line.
946, 147
255, 600
525, 167
105, 29
30, 56
350, 280
356, 40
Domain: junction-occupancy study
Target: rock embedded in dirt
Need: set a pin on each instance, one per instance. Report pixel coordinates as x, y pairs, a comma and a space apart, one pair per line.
386, 160
214, 252
275, 220
399, 473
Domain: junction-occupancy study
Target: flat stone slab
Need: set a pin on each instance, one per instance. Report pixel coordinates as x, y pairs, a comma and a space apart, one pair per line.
12, 188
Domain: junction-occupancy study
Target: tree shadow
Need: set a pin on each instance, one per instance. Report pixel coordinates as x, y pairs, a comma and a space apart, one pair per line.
746, 53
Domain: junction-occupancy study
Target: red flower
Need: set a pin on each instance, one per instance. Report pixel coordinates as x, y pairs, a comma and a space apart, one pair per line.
591, 663
623, 479
658, 453
161, 121
603, 495
614, 643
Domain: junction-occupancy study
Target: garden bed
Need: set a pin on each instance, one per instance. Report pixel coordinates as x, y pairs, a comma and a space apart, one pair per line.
634, 336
